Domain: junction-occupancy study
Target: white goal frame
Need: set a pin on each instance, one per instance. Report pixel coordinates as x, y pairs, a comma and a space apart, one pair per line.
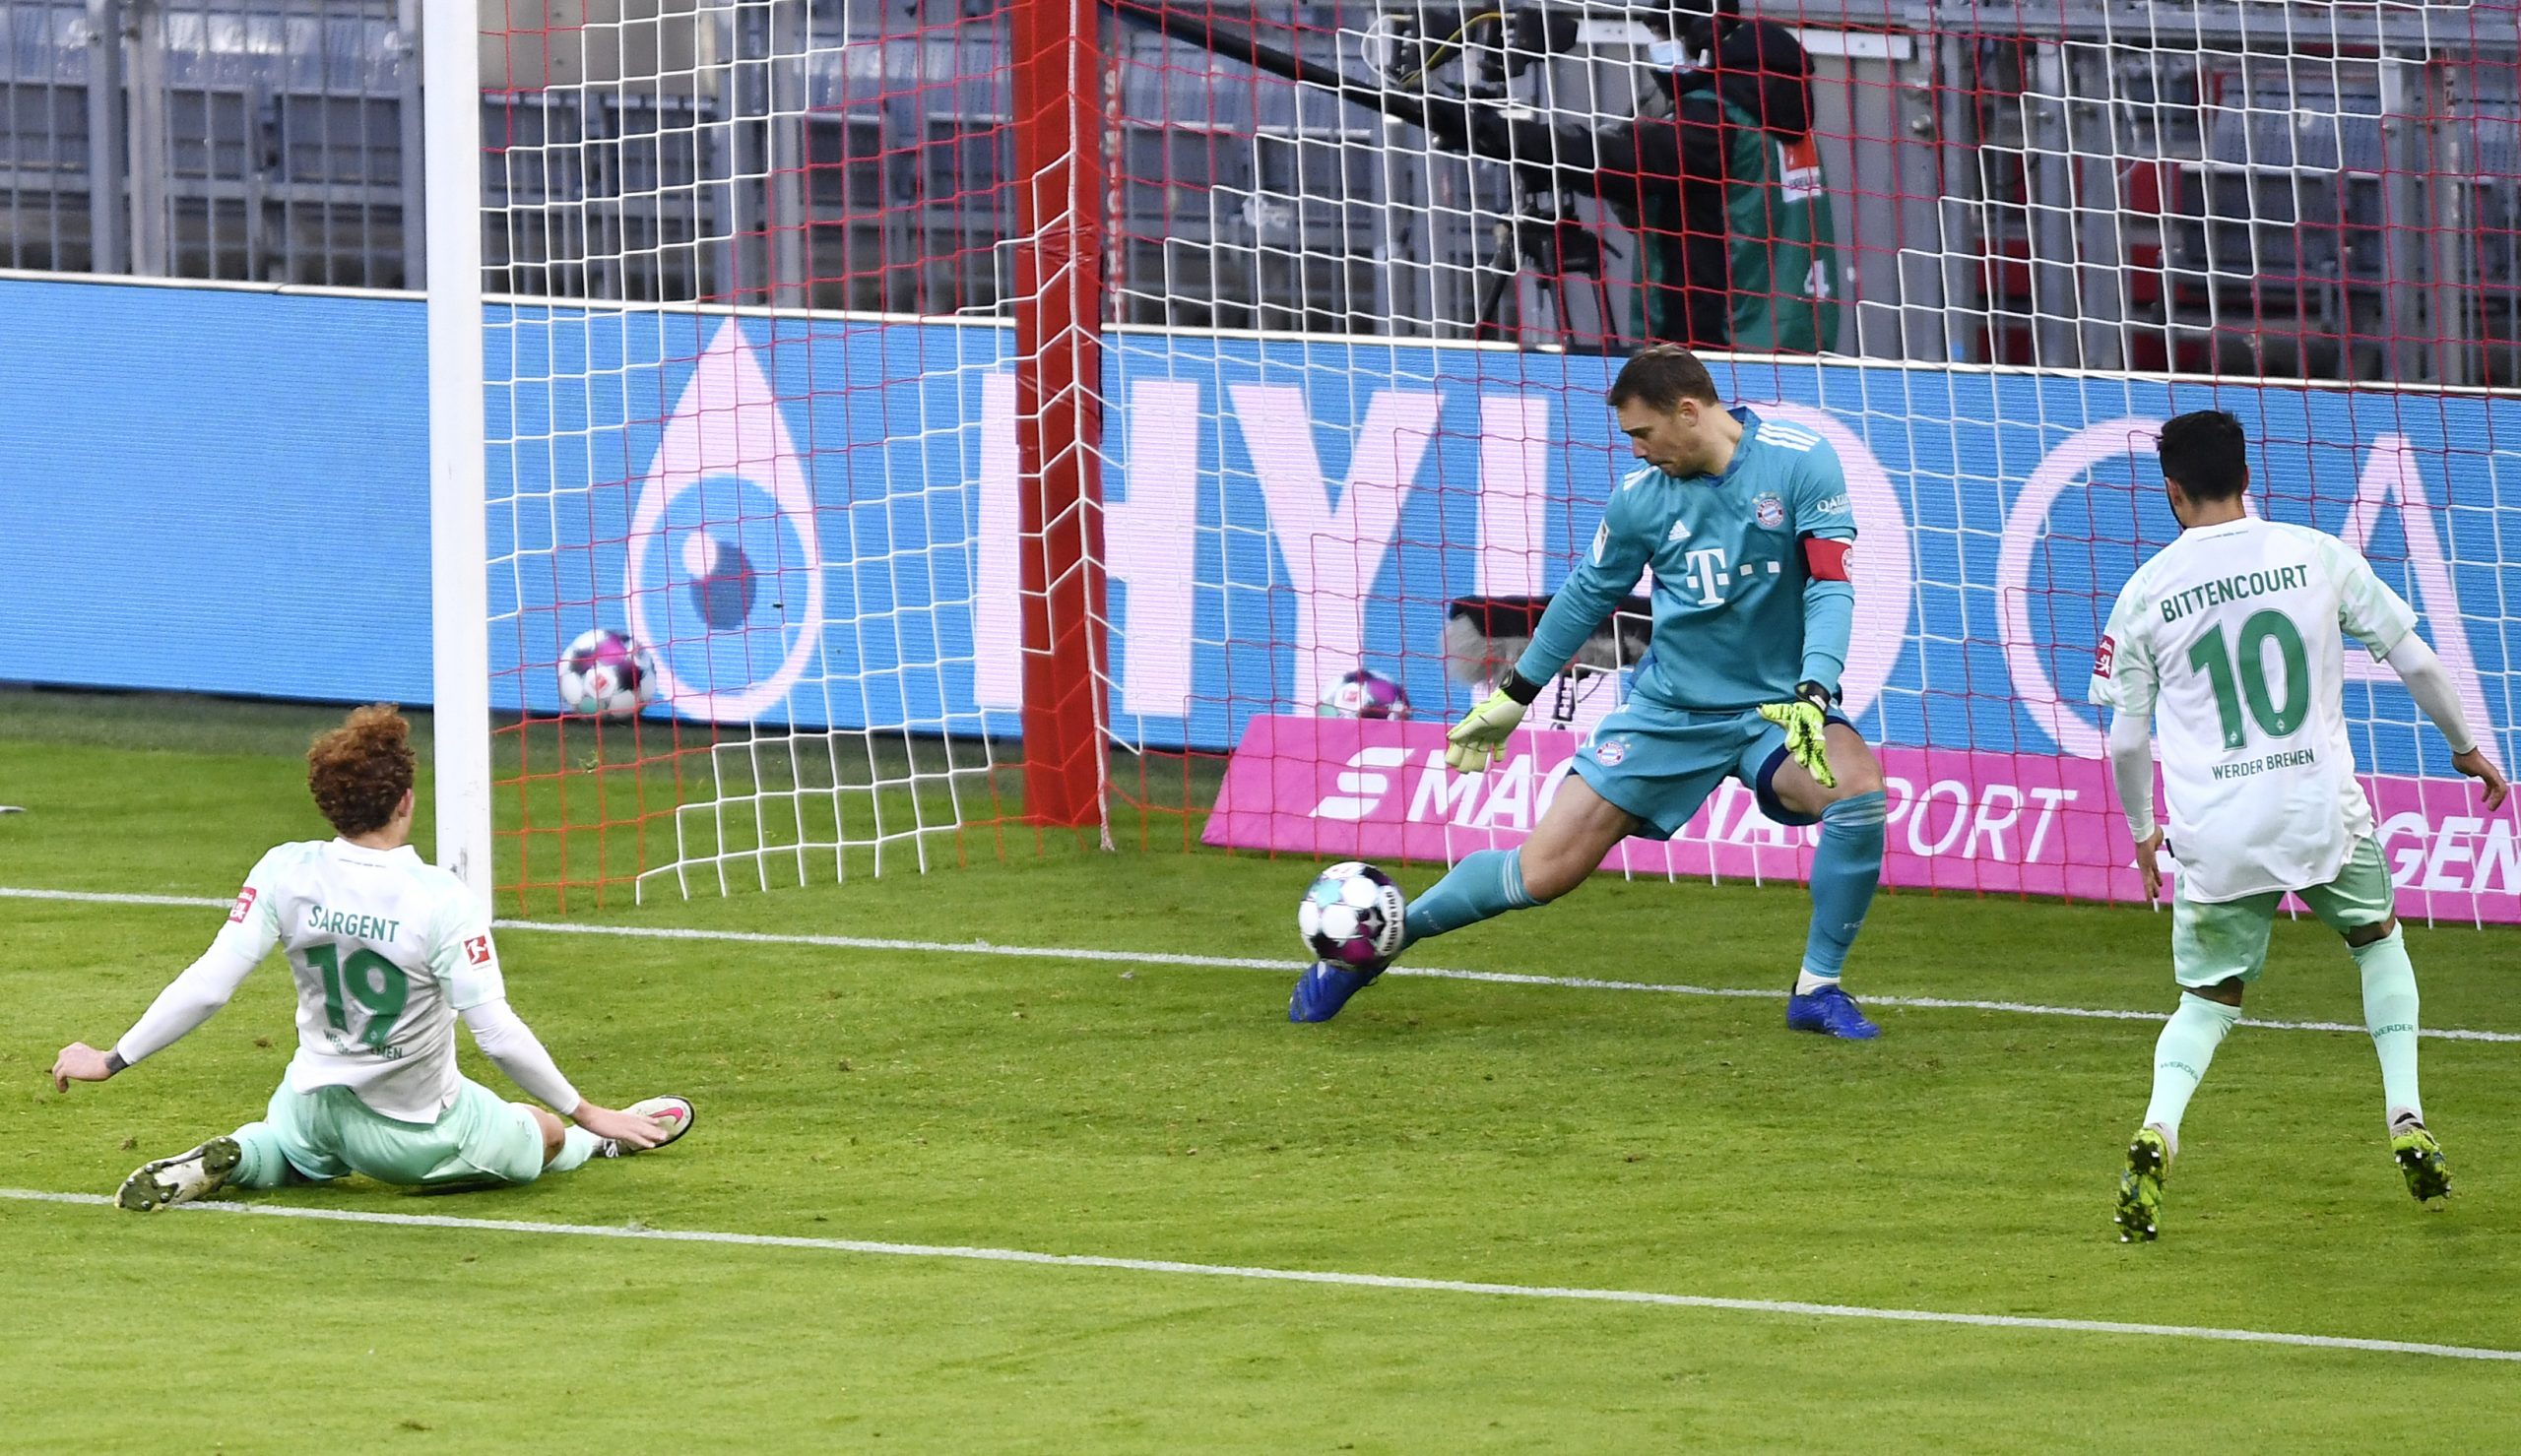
459, 531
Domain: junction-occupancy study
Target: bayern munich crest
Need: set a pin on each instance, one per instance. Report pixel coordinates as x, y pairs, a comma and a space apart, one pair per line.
1610, 751
1768, 511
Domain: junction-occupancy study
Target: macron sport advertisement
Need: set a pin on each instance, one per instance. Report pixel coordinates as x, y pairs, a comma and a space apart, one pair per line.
811, 522
2001, 823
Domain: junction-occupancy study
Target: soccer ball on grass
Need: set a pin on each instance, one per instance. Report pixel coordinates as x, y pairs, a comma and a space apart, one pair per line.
606, 674
1351, 916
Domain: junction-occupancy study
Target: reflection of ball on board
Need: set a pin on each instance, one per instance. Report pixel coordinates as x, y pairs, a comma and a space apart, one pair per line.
722, 580
1363, 693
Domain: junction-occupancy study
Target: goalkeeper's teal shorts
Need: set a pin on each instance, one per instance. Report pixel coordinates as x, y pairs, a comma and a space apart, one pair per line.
328, 1133
1660, 764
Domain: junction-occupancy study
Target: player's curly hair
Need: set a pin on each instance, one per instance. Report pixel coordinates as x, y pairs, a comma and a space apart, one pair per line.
359, 772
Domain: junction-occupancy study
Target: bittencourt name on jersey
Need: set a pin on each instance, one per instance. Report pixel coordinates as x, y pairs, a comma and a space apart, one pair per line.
2237, 588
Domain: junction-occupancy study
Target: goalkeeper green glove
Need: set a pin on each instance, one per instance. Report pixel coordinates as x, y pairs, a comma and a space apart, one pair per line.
1802, 719
1481, 736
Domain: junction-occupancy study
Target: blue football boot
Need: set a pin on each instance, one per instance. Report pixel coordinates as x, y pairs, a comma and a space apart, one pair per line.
1832, 1012
1325, 987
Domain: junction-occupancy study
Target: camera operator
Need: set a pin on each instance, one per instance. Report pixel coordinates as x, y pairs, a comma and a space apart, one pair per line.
1717, 175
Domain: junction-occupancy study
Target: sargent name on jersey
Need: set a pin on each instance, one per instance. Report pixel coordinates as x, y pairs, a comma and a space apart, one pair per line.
2235, 589
323, 922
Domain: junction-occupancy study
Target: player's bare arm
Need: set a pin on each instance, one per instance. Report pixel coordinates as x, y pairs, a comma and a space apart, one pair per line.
81, 1062
2477, 766
2148, 865
630, 1129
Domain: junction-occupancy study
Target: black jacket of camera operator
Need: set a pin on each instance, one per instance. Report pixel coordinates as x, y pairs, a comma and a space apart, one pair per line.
1718, 177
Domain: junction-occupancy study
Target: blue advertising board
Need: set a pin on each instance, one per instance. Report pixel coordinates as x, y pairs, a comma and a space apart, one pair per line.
812, 520
214, 492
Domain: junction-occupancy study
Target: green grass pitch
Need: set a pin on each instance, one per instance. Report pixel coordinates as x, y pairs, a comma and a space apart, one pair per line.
1526, 1135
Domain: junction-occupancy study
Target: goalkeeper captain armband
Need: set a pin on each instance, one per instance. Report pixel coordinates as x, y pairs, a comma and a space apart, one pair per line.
1828, 560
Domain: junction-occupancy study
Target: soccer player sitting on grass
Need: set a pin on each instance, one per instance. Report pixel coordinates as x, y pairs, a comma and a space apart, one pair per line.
1747, 525
387, 953
2231, 635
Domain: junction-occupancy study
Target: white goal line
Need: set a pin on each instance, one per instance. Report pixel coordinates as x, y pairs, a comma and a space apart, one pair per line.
1262, 963
1317, 1275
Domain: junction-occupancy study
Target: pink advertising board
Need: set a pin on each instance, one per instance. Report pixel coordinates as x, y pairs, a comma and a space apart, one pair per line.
1959, 820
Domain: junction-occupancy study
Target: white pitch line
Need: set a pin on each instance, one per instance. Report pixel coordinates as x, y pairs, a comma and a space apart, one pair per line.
1262, 963
1320, 1276
105, 897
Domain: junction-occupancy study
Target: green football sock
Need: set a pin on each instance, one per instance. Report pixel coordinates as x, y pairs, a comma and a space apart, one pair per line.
577, 1145
2389, 1011
2180, 1057
265, 1166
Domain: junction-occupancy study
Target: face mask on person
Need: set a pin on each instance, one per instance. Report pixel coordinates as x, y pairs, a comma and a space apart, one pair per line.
1666, 55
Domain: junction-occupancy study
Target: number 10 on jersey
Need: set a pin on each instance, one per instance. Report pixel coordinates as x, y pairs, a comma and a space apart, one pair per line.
2276, 721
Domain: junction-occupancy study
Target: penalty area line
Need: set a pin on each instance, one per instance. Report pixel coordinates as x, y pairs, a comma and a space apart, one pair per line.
1264, 963
1797, 1307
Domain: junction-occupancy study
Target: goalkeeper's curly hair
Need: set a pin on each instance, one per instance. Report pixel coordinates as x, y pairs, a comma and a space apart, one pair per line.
359, 772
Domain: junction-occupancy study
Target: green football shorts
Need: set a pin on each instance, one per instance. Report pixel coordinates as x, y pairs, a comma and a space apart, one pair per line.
2210, 943
328, 1133
1660, 764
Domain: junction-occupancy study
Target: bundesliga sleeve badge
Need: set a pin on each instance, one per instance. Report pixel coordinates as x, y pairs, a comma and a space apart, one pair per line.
243, 907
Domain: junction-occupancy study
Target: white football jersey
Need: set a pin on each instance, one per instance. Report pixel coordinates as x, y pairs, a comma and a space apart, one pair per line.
386, 949
2235, 634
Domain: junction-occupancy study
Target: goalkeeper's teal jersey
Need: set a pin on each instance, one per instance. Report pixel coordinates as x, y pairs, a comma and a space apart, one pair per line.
1738, 617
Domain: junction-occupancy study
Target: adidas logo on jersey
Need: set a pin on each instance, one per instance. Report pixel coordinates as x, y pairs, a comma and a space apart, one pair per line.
1680, 531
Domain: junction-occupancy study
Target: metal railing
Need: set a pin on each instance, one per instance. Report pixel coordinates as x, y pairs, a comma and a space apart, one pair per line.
195, 139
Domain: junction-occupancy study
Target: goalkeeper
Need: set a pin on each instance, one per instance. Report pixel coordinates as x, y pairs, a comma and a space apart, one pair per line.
1747, 526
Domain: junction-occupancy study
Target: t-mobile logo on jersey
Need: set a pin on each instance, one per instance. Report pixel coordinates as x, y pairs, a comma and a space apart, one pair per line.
1707, 575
